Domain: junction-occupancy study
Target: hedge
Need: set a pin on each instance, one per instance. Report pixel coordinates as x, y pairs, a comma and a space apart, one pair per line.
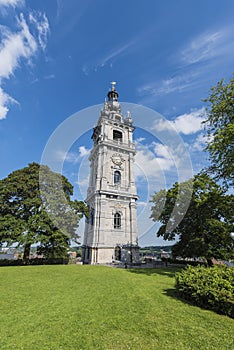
185, 262
210, 288
36, 261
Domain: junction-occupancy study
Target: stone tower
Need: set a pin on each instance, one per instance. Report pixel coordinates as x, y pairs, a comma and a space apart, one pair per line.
111, 230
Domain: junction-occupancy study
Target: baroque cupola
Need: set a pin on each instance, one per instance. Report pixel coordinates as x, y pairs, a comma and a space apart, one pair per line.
112, 104
113, 94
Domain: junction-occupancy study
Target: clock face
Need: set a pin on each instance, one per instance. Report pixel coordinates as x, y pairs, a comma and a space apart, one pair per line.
116, 159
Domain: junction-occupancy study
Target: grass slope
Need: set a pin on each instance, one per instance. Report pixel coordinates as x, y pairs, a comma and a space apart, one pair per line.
95, 307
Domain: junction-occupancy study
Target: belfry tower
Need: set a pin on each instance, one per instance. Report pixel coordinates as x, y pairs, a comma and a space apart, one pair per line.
111, 229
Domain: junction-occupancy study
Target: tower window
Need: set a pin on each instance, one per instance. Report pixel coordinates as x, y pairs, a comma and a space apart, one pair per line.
117, 135
117, 177
117, 220
118, 118
91, 213
117, 253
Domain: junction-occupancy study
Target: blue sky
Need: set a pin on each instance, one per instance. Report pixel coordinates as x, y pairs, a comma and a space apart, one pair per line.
58, 57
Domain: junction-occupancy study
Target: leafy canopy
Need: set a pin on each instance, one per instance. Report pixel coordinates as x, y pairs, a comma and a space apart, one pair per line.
204, 228
220, 130
35, 207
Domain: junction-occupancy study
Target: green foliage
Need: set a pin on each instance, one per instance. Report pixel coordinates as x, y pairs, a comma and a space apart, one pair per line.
187, 262
220, 129
100, 308
55, 247
211, 288
202, 226
169, 208
35, 207
35, 261
55, 192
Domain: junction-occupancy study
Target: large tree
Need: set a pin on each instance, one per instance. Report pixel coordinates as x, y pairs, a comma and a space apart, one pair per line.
203, 229
220, 129
35, 207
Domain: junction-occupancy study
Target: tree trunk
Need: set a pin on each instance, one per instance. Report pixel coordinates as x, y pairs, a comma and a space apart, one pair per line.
26, 252
210, 262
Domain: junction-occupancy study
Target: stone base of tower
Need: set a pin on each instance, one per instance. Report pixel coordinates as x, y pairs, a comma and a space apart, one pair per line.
107, 255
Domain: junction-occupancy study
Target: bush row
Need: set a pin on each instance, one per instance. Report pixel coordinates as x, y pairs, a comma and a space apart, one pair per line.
36, 261
211, 288
184, 262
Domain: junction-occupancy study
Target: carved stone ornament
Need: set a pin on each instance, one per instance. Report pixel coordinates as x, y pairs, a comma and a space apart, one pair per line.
118, 206
117, 159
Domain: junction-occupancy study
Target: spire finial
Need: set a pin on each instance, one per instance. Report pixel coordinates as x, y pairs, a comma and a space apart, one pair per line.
113, 83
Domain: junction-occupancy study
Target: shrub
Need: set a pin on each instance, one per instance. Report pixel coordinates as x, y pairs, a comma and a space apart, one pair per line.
35, 261
211, 288
8, 262
186, 262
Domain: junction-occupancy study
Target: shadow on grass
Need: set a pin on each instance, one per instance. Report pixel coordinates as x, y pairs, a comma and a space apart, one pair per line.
172, 293
163, 271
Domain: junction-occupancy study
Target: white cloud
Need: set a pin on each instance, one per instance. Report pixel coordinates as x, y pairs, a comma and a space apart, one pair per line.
123, 49
202, 48
5, 100
14, 47
85, 69
141, 203
201, 142
70, 157
73, 157
178, 83
41, 23
157, 164
83, 151
83, 183
61, 155
140, 139
196, 64
109, 57
153, 159
50, 76
210, 47
187, 124
162, 150
13, 3
18, 46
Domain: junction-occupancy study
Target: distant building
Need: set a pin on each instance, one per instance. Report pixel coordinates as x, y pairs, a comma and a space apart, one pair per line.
8, 253
72, 255
165, 255
7, 256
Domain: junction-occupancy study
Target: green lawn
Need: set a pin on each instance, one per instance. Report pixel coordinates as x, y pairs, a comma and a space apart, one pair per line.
95, 307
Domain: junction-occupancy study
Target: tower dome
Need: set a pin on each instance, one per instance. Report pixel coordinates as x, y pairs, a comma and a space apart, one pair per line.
113, 103
113, 94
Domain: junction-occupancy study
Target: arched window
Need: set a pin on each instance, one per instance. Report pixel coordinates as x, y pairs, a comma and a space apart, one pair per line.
117, 135
117, 177
117, 253
117, 220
